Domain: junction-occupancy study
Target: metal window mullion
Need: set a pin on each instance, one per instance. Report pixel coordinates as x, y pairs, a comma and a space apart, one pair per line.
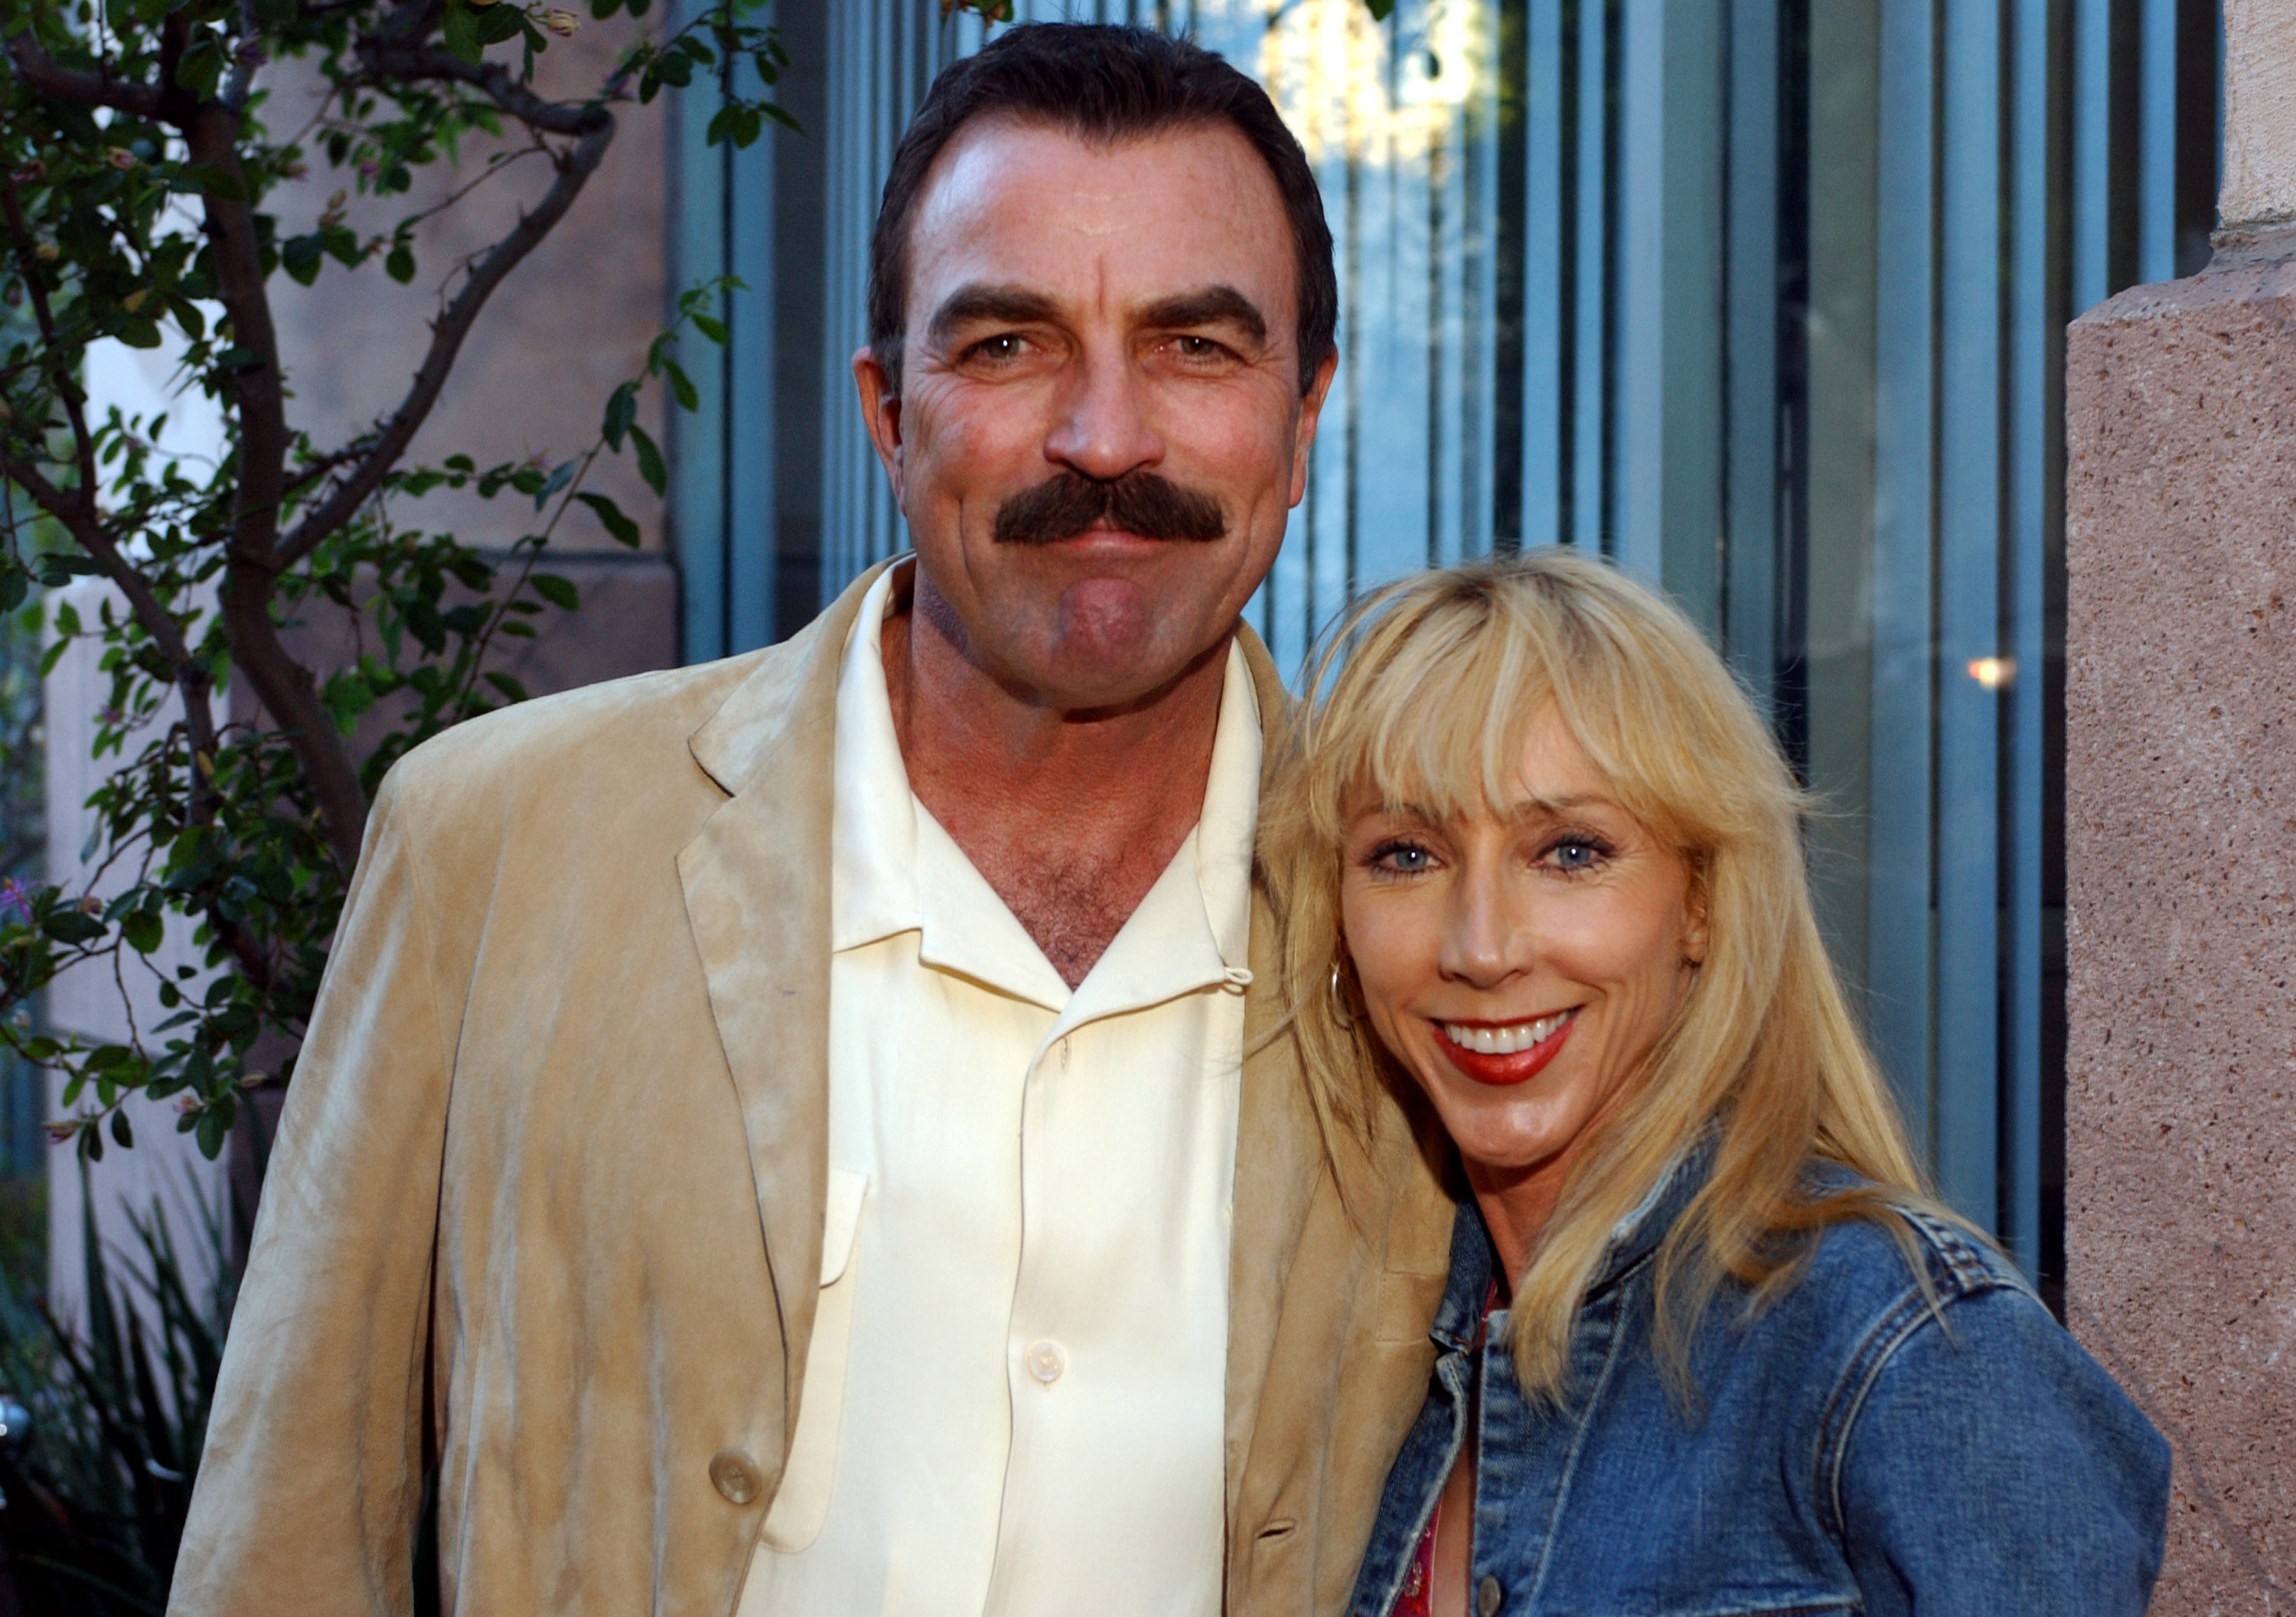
1899, 964
2030, 354
1969, 487
1592, 359
2092, 152
1640, 445
1543, 313
1481, 217
2156, 144
1749, 618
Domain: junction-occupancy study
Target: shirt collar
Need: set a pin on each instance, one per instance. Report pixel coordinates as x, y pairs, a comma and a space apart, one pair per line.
874, 843
895, 869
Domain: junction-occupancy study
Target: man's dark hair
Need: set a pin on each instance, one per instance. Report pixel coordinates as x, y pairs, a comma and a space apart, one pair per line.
1103, 83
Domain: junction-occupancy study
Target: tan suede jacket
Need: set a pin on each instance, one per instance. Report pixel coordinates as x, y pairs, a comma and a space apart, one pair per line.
546, 1203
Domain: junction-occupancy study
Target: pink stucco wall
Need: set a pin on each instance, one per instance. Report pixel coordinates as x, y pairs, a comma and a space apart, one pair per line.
2180, 788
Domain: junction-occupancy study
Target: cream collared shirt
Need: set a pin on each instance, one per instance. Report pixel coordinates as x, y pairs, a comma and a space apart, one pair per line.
1014, 1397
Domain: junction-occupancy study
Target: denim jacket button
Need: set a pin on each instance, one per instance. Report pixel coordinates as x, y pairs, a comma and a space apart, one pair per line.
1488, 1595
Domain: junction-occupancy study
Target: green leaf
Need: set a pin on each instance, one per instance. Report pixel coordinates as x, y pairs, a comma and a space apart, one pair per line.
710, 327
649, 462
215, 1123
122, 1130
507, 685
681, 385
499, 22
200, 71
462, 31
621, 410
559, 591
142, 929
625, 531
560, 476
70, 926
398, 264
140, 334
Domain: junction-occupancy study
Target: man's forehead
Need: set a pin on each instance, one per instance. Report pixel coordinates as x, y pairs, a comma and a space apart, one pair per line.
1023, 203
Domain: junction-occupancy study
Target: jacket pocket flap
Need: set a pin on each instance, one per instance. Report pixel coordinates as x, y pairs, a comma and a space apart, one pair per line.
841, 1227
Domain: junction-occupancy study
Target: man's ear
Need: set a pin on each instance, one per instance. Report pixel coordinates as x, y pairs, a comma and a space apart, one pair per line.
1311, 410
880, 413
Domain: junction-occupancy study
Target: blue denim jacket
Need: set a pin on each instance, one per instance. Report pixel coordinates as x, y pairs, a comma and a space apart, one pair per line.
1854, 1451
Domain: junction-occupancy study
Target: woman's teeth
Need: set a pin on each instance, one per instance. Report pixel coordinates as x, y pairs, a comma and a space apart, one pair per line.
1505, 1041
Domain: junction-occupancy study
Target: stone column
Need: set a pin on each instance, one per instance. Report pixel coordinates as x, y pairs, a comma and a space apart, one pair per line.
2180, 848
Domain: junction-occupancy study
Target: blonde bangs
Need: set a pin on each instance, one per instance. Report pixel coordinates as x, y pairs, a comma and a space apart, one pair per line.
1424, 697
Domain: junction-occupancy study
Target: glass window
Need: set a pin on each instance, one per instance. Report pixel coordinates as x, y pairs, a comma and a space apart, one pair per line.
1762, 299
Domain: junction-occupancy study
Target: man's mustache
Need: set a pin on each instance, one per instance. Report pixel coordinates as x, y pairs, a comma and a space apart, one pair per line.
1068, 504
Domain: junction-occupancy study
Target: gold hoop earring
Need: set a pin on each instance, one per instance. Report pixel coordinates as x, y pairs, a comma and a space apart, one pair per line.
1341, 1013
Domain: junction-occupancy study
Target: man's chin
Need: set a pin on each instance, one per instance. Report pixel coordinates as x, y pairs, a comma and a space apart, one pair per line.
1089, 672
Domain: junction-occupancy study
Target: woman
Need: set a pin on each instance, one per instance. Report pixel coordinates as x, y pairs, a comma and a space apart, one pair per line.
1708, 1346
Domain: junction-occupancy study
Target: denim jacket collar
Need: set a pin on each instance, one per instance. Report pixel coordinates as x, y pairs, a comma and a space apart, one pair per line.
1633, 1239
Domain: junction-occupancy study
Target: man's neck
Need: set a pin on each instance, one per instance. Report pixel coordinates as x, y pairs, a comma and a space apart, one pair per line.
1069, 817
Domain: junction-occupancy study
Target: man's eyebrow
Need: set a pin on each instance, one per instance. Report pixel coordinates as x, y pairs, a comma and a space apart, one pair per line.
977, 304
1209, 307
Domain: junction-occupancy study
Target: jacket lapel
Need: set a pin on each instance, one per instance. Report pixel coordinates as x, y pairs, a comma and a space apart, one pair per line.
1279, 1146
757, 882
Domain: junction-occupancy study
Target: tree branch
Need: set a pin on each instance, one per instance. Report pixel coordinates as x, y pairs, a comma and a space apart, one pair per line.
187, 673
67, 387
100, 89
575, 167
212, 137
291, 696
392, 58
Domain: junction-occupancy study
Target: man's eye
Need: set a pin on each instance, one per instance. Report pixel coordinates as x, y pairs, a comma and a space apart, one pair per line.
1197, 348
999, 348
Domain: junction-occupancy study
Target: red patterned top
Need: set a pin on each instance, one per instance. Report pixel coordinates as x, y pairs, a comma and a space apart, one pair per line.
1417, 1599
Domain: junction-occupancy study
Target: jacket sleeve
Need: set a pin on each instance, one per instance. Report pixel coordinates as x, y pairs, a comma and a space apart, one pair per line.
1992, 1465
308, 1486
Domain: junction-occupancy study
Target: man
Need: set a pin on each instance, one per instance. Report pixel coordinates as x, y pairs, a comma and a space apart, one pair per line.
772, 1132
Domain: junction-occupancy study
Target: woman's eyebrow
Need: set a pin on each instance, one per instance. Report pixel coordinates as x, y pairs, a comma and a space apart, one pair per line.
1534, 806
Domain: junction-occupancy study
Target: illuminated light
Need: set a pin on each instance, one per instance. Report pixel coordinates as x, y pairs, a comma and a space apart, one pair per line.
1993, 673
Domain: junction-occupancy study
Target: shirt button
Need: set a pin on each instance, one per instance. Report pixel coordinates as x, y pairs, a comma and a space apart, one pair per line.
1488, 1595
734, 1476
1046, 1361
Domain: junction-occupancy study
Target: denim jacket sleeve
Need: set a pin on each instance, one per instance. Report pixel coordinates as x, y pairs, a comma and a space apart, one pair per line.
1982, 1463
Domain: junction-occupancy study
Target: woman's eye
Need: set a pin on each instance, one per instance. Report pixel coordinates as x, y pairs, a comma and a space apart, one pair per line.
1402, 859
1576, 853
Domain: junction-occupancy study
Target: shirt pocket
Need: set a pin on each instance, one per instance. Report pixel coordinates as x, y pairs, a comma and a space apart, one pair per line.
801, 1503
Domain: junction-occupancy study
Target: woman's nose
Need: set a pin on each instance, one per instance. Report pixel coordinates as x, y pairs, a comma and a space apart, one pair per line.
1100, 426
1484, 943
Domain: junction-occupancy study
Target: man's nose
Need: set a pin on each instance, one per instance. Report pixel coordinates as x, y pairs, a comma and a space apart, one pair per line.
1100, 426
1485, 942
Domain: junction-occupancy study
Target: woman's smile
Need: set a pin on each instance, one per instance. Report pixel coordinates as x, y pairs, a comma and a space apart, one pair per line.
1503, 1052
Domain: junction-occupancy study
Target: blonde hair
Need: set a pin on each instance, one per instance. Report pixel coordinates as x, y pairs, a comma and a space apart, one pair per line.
1427, 690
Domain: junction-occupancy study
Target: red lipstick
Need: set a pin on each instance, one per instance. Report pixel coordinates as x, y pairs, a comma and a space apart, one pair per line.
1520, 1066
